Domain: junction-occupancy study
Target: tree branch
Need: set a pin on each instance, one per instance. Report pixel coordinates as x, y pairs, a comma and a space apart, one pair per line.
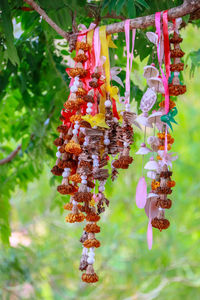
188, 7
10, 156
42, 13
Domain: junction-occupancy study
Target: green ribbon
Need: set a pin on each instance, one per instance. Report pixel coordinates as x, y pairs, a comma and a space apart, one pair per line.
169, 118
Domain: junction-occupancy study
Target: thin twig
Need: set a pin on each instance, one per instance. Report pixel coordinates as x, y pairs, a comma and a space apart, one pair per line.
10, 156
42, 13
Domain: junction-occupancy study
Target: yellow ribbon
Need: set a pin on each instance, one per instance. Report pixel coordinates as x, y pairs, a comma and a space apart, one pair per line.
105, 43
90, 37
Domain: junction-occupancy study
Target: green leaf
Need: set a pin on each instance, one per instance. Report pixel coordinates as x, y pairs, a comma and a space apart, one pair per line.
131, 9
143, 3
64, 52
119, 6
11, 51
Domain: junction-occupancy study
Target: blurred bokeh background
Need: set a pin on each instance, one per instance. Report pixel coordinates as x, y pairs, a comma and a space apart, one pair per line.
43, 260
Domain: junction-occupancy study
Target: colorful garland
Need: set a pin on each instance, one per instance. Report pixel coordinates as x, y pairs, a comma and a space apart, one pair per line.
93, 133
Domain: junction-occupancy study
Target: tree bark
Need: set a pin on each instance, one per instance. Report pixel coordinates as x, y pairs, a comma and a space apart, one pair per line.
10, 156
188, 7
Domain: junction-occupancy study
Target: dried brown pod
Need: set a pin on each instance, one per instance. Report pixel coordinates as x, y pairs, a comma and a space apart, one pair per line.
163, 190
90, 184
164, 203
72, 218
90, 278
177, 67
82, 196
57, 171
88, 98
86, 164
92, 243
83, 46
73, 147
77, 72
93, 84
160, 223
58, 142
67, 164
175, 90
176, 53
68, 206
81, 58
84, 124
75, 118
75, 177
165, 174
62, 129
94, 228
65, 189
92, 217
176, 39
96, 75
62, 149
81, 92
71, 105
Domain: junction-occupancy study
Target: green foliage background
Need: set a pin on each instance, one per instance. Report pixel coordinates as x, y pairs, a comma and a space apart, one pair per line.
33, 91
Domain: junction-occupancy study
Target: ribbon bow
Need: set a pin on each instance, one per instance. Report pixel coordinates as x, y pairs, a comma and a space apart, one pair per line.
169, 118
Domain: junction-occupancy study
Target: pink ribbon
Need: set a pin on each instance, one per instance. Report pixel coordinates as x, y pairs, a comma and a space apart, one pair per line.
129, 61
85, 29
97, 46
164, 78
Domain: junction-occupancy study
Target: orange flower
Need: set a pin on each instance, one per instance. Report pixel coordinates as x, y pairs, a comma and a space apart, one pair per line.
72, 218
155, 184
171, 183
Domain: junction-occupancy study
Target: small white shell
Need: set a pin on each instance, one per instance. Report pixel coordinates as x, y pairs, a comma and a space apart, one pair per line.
148, 100
156, 82
150, 71
152, 36
151, 165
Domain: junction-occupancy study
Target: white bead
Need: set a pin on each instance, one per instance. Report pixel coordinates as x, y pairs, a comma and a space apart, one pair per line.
65, 174
58, 147
73, 89
76, 78
127, 105
75, 131
90, 261
83, 177
88, 110
82, 129
94, 156
85, 251
85, 144
126, 144
84, 181
66, 169
101, 188
76, 126
76, 122
74, 202
58, 154
89, 104
115, 120
108, 103
106, 142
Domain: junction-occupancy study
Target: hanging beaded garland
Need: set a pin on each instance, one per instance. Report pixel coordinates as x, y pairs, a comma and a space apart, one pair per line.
93, 132
90, 135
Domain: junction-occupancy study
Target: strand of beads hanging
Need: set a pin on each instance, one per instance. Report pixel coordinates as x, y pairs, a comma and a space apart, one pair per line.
89, 134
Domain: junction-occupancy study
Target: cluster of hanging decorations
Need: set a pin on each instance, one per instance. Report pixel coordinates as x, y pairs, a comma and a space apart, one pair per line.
95, 134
